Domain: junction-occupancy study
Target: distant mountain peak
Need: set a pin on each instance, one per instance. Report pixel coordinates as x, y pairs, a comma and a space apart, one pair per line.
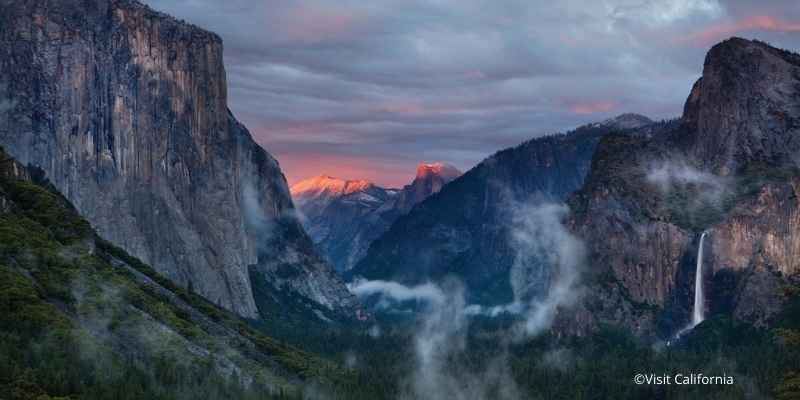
329, 186
344, 216
442, 169
465, 229
325, 184
627, 121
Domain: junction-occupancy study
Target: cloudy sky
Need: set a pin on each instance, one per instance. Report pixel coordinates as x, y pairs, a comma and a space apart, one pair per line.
369, 88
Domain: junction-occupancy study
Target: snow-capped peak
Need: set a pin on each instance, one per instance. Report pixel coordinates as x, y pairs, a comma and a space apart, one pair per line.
328, 186
444, 170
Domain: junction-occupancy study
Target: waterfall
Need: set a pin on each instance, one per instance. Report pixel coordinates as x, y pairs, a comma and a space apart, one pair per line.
699, 303
698, 314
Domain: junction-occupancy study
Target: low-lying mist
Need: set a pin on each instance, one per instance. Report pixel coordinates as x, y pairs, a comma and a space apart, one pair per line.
544, 278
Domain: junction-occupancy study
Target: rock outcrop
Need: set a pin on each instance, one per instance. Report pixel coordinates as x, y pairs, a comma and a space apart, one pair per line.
466, 228
729, 167
430, 179
743, 111
343, 217
125, 110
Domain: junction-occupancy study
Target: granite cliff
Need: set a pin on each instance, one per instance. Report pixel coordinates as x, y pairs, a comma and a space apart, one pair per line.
81, 317
125, 111
729, 168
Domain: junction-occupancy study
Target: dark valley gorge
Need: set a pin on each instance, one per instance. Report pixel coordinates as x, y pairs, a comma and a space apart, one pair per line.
150, 248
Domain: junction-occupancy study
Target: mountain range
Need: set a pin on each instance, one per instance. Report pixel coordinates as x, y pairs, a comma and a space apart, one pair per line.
150, 248
124, 109
636, 195
464, 229
343, 217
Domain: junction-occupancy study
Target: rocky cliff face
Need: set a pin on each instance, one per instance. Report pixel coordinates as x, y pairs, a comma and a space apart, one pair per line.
10, 169
743, 110
466, 228
430, 179
729, 168
76, 297
754, 250
125, 109
344, 217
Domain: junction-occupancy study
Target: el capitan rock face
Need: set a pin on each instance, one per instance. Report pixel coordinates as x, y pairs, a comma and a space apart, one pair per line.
465, 229
125, 109
728, 168
344, 216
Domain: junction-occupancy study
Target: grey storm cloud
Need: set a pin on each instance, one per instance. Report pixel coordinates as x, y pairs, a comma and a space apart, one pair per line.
381, 85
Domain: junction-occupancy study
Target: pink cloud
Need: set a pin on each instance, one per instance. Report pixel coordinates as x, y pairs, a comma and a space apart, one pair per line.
311, 25
298, 166
592, 107
714, 33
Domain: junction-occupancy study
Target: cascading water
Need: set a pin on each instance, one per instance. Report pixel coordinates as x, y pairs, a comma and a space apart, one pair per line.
698, 314
699, 304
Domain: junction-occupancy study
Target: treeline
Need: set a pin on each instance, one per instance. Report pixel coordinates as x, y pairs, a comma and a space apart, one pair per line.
764, 363
73, 326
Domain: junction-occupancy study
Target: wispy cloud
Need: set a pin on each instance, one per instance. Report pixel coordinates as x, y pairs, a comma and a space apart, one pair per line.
668, 175
717, 32
549, 260
457, 80
428, 292
544, 279
661, 12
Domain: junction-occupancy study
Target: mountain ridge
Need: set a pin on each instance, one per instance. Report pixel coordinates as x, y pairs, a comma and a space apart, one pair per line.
463, 229
344, 216
328, 185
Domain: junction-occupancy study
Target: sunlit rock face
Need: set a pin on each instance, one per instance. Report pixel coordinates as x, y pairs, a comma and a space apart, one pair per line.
343, 217
466, 228
125, 109
730, 167
430, 179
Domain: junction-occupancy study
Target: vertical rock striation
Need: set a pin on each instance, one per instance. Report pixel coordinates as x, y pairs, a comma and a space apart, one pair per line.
125, 109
